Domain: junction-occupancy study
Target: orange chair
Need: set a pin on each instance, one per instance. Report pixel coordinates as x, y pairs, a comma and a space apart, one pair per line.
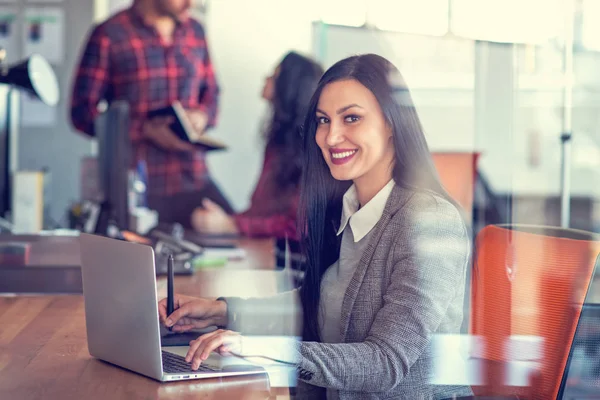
525, 281
457, 174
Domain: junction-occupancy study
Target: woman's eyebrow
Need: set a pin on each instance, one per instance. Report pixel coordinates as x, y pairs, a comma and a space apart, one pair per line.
346, 108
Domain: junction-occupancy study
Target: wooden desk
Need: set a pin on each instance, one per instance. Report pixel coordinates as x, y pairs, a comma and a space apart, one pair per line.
44, 355
260, 254
64, 251
54, 268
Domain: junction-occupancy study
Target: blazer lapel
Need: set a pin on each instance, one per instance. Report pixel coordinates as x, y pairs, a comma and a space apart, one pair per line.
397, 199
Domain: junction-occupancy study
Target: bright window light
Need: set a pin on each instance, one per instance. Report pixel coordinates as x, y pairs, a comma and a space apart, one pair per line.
590, 28
427, 17
344, 12
508, 21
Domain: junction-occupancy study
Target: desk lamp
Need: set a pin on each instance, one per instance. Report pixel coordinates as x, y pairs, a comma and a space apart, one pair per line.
35, 76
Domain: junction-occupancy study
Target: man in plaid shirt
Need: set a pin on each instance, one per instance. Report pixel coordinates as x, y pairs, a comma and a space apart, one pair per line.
151, 55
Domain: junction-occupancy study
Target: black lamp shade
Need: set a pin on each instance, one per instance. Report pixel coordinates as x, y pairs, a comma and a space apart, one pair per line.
36, 76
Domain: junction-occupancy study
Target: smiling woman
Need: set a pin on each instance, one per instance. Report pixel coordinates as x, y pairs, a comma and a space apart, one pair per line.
387, 249
353, 136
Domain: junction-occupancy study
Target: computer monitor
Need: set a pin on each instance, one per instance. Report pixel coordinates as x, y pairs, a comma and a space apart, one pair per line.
9, 119
114, 162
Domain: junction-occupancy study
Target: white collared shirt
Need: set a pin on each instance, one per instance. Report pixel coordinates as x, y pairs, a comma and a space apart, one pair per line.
362, 220
356, 224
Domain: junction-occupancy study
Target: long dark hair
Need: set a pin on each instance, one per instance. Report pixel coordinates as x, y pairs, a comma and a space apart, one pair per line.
294, 86
321, 195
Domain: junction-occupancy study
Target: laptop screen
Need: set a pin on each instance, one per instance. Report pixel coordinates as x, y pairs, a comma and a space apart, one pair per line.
581, 378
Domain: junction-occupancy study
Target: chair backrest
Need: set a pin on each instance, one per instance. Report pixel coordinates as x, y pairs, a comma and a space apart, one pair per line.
457, 174
525, 281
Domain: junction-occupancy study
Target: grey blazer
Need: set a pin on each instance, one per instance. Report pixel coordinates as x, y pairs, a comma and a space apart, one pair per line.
408, 286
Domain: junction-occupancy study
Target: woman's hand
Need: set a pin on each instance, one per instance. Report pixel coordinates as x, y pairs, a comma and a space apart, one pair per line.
212, 219
193, 313
222, 341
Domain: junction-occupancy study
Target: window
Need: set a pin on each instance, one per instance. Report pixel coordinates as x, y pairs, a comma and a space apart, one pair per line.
508, 21
428, 17
590, 27
343, 12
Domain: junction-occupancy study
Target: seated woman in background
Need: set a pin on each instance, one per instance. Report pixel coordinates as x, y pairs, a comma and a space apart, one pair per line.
273, 207
387, 251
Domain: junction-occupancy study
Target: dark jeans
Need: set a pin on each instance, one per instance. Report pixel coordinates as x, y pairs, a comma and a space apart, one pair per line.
178, 208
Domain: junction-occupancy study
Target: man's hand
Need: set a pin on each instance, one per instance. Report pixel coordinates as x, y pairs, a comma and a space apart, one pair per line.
199, 121
157, 131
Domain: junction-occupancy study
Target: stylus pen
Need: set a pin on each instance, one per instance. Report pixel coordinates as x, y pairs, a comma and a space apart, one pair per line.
170, 278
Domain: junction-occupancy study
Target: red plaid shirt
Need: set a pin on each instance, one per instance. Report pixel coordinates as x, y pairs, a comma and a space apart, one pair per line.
125, 59
271, 213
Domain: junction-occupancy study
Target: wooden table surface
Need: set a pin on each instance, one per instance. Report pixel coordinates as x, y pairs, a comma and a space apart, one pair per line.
44, 355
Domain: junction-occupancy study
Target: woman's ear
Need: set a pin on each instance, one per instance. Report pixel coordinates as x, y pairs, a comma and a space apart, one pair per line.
389, 130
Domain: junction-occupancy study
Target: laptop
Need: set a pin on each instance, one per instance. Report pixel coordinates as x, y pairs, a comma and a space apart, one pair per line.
581, 376
121, 314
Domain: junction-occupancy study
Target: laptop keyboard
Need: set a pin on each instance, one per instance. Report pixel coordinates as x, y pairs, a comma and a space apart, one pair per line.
173, 363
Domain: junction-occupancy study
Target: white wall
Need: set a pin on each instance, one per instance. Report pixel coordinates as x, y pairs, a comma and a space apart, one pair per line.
247, 39
116, 5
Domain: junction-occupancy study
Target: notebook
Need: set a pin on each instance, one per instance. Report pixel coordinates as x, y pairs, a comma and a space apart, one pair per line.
182, 127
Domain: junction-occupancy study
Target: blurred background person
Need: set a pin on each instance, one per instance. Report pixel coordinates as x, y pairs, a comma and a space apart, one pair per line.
273, 206
151, 55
